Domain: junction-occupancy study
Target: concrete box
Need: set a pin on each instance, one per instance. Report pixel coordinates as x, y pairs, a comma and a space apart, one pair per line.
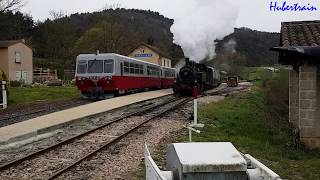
214, 161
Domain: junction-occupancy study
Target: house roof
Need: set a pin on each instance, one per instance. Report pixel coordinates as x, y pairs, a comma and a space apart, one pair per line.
6, 44
155, 49
300, 33
299, 43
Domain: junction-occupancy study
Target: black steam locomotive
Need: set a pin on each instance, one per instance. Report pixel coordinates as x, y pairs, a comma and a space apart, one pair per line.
196, 75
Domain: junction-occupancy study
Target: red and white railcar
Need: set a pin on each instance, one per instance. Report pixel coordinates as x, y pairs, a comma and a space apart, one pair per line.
112, 74
168, 77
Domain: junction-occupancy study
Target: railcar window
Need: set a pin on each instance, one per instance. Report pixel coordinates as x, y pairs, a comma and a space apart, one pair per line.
95, 66
82, 67
141, 69
131, 68
126, 68
153, 71
108, 66
169, 73
137, 69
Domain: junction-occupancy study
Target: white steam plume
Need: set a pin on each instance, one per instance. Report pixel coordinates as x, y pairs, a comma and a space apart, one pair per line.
208, 20
230, 46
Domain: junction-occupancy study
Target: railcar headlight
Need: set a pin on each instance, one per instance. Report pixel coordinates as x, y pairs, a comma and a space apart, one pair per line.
109, 77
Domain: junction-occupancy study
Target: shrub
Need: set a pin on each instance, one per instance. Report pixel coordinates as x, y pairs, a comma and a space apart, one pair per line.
15, 83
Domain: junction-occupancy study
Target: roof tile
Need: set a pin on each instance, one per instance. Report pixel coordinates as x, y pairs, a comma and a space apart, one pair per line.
300, 33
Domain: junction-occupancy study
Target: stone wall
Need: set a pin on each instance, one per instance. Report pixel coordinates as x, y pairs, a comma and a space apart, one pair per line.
304, 87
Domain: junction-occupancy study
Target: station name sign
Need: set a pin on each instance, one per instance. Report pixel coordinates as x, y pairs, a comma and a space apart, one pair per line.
143, 55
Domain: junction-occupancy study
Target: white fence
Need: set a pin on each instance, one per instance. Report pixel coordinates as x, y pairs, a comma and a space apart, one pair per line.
152, 170
3, 98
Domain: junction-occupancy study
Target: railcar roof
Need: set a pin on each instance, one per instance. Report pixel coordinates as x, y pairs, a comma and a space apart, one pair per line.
87, 56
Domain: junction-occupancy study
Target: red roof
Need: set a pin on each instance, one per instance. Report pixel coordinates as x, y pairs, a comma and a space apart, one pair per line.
300, 33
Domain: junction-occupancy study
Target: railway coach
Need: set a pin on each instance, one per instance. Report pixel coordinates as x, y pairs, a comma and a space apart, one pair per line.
102, 75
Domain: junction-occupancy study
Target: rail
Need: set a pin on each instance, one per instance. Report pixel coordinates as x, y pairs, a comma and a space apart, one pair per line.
108, 144
72, 139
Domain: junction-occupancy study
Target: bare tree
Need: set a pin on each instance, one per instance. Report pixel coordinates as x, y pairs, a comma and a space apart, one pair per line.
57, 14
11, 5
112, 6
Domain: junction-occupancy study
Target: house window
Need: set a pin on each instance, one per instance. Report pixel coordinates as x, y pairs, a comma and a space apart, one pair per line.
17, 57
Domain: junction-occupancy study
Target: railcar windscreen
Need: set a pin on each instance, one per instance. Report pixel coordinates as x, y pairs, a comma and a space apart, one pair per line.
82, 67
108, 66
95, 66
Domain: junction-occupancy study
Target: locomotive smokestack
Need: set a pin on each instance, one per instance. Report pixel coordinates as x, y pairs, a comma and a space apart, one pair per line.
187, 61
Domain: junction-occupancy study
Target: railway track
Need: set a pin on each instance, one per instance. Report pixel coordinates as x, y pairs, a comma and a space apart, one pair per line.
55, 160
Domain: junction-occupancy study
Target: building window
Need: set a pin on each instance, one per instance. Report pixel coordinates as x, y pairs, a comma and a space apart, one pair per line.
17, 57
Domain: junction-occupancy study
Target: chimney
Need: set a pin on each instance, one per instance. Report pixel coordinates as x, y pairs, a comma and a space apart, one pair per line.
187, 61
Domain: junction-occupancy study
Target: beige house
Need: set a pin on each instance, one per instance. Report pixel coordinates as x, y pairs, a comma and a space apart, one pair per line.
151, 54
16, 60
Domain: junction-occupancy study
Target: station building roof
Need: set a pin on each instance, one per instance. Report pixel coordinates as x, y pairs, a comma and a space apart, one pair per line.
299, 43
300, 33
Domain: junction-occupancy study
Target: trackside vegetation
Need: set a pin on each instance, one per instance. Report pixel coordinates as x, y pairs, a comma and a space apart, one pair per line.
25, 95
255, 126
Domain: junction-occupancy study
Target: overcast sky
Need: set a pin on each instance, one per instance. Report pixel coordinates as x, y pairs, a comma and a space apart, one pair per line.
254, 14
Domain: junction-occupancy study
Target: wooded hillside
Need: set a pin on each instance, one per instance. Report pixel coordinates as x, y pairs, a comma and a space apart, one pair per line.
57, 42
246, 47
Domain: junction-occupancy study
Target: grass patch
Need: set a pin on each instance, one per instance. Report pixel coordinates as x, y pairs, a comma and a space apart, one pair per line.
250, 125
25, 95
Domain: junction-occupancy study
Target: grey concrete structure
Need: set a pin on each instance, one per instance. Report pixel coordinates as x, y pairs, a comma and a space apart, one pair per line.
300, 48
309, 105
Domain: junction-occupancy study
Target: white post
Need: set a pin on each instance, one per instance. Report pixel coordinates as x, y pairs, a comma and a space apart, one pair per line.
190, 132
195, 114
195, 111
4, 95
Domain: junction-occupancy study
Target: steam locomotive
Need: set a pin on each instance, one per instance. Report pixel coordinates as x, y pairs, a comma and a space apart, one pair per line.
196, 75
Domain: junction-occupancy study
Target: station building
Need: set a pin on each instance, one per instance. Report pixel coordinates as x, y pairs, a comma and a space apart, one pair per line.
300, 48
150, 54
16, 61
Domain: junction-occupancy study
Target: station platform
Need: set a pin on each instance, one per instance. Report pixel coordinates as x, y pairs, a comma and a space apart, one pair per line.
33, 127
